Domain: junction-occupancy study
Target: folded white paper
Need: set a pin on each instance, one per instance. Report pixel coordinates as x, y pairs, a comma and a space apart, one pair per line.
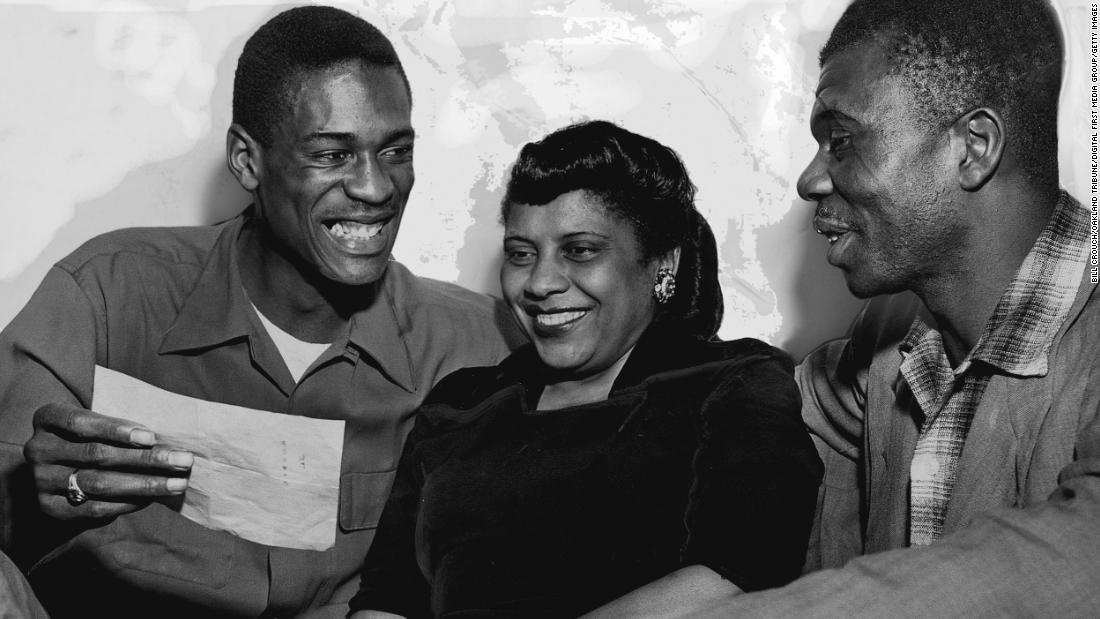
266, 477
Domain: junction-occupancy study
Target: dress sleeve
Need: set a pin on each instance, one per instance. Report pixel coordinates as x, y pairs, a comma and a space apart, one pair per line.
756, 476
391, 580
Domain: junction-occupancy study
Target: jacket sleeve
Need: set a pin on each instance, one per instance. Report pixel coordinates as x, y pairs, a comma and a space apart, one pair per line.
47, 354
832, 408
833, 382
756, 476
1043, 561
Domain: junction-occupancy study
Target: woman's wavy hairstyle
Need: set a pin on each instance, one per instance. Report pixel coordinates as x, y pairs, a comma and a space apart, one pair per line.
645, 183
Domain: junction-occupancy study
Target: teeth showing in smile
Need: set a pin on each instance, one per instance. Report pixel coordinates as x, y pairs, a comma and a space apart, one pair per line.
557, 318
355, 231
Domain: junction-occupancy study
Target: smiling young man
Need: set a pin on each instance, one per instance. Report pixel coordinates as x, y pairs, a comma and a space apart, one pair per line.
294, 307
959, 420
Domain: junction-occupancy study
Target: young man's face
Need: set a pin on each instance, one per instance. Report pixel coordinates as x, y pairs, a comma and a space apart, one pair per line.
880, 178
334, 181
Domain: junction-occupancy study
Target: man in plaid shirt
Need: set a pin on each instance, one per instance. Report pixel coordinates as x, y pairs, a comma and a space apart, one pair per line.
959, 421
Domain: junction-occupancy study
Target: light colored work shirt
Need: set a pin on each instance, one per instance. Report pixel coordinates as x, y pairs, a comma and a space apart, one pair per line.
167, 306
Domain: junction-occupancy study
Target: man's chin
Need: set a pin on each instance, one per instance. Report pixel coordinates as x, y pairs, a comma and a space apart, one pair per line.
863, 287
357, 274
860, 292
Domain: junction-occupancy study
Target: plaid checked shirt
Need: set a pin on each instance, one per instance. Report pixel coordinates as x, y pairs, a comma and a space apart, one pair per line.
1015, 341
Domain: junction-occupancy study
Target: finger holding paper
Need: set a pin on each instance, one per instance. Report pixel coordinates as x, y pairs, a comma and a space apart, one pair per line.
88, 465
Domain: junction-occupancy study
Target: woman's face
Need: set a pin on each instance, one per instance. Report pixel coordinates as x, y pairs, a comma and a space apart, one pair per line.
575, 279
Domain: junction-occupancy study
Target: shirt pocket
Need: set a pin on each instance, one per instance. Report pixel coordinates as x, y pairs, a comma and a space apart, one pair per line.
363, 497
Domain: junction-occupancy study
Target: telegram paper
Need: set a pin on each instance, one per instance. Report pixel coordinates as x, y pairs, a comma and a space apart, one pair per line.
266, 477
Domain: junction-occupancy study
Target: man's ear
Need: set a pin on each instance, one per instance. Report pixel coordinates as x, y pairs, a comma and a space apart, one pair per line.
243, 155
981, 134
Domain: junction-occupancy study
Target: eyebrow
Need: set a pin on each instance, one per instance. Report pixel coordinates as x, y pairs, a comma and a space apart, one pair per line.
833, 114
347, 136
589, 232
517, 237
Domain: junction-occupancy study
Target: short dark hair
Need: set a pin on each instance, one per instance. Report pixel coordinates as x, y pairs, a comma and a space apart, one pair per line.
958, 55
294, 42
645, 183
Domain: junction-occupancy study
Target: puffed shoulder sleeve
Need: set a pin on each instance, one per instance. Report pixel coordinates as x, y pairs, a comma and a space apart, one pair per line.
391, 580
756, 474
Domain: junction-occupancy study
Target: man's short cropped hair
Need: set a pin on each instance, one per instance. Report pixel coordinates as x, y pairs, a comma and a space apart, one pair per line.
958, 55
295, 42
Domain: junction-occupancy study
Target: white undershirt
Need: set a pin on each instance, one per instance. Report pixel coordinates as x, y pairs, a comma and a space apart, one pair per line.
297, 354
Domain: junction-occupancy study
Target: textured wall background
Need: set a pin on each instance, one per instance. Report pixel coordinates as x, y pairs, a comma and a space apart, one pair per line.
113, 114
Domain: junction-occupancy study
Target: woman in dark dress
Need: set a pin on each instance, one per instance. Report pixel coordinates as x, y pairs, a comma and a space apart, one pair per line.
625, 444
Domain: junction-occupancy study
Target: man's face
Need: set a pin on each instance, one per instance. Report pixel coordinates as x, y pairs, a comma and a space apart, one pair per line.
881, 179
334, 181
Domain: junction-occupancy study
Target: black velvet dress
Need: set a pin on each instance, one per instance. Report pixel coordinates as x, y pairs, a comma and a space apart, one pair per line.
699, 456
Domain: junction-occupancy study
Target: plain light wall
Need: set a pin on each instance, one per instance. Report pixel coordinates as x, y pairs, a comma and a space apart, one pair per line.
113, 114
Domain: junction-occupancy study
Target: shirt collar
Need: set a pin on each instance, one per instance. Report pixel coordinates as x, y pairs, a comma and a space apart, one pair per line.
217, 311
379, 330
925, 366
1018, 336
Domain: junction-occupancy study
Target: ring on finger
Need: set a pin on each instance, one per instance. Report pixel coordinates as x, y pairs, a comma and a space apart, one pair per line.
73, 492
